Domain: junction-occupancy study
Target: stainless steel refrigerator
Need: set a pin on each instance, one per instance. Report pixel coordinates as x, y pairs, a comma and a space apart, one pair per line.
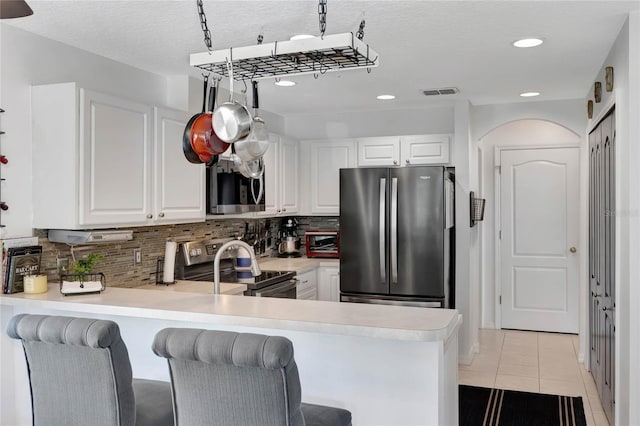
396, 227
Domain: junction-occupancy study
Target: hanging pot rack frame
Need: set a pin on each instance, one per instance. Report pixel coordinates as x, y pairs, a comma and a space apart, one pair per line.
318, 55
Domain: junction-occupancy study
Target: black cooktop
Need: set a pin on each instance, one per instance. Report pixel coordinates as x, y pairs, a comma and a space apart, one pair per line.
265, 279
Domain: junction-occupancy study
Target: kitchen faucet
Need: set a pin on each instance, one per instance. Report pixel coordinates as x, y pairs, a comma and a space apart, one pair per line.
255, 269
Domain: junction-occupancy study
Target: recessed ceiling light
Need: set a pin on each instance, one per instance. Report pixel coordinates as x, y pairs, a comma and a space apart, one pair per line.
529, 94
385, 97
300, 37
285, 83
528, 42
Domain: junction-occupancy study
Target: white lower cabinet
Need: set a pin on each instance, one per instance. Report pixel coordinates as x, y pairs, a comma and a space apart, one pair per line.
329, 283
109, 169
307, 285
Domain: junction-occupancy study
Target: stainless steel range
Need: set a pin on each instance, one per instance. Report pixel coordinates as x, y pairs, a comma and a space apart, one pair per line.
194, 262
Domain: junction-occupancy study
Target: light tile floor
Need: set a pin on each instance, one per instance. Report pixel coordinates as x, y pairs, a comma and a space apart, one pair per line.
534, 362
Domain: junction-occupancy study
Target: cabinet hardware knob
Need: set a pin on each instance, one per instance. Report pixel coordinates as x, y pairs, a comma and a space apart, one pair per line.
161, 215
284, 210
572, 250
4, 159
4, 206
149, 216
395, 162
407, 161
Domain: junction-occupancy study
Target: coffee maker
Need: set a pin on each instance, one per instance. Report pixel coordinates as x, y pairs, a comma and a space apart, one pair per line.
289, 241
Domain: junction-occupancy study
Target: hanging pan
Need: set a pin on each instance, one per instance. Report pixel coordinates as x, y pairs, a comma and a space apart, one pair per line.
256, 143
189, 153
203, 138
231, 120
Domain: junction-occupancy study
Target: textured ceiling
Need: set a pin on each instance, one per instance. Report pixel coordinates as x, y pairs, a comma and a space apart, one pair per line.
422, 44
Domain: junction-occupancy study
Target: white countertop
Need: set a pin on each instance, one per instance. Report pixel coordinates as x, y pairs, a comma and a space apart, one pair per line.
296, 264
389, 322
197, 287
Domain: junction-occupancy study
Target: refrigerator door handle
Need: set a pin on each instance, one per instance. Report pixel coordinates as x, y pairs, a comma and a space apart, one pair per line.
382, 229
394, 230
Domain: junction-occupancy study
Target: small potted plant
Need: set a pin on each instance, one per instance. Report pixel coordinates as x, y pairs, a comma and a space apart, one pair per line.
83, 279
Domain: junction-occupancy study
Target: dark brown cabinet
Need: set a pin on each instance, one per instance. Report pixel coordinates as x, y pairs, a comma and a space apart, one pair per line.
602, 215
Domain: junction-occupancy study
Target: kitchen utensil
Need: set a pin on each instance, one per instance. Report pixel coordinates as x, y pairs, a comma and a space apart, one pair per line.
187, 149
203, 136
256, 143
231, 120
289, 245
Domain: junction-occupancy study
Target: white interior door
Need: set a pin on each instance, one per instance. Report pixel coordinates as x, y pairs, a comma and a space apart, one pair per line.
539, 195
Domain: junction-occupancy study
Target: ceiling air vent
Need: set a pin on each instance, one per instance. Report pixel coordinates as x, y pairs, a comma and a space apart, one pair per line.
443, 91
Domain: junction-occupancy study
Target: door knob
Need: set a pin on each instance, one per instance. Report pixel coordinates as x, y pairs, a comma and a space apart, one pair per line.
572, 250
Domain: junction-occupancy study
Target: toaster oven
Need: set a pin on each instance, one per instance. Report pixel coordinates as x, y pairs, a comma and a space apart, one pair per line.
323, 243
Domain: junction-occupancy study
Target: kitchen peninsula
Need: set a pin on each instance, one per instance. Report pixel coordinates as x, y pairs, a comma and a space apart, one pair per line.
386, 364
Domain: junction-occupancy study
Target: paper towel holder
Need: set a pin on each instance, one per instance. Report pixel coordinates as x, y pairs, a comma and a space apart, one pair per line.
159, 270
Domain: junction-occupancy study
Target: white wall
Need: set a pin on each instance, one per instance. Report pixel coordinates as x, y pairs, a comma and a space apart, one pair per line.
633, 391
375, 123
467, 268
625, 58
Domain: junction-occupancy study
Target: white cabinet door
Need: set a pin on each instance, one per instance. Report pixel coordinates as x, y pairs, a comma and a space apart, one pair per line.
271, 177
329, 283
281, 177
179, 186
425, 149
115, 160
327, 158
308, 285
289, 177
384, 151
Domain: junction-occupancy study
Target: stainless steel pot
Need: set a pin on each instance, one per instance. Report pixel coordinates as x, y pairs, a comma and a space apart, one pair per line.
289, 245
255, 145
231, 120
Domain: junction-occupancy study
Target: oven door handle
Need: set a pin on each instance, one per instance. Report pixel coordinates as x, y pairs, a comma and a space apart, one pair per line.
277, 288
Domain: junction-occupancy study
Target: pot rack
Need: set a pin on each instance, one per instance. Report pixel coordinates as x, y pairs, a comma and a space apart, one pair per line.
317, 55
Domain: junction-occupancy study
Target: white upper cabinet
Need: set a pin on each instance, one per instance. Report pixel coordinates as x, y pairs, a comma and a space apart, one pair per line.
179, 185
424, 149
289, 176
109, 169
326, 159
281, 177
403, 150
383, 151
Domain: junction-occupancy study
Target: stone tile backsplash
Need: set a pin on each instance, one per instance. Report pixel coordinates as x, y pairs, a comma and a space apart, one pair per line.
118, 265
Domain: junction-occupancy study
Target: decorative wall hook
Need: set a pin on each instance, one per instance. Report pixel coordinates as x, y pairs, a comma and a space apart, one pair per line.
608, 78
597, 91
590, 109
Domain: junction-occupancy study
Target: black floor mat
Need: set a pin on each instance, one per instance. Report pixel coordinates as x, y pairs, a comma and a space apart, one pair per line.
490, 407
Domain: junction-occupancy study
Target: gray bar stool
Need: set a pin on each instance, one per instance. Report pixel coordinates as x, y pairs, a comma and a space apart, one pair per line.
225, 378
80, 374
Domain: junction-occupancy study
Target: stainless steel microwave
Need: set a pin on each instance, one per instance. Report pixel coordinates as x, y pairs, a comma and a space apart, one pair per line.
229, 192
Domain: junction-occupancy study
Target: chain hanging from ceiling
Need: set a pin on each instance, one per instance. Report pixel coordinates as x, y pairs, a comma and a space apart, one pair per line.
322, 16
204, 26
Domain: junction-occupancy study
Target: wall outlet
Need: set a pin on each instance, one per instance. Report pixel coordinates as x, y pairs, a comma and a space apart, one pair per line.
62, 265
137, 256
